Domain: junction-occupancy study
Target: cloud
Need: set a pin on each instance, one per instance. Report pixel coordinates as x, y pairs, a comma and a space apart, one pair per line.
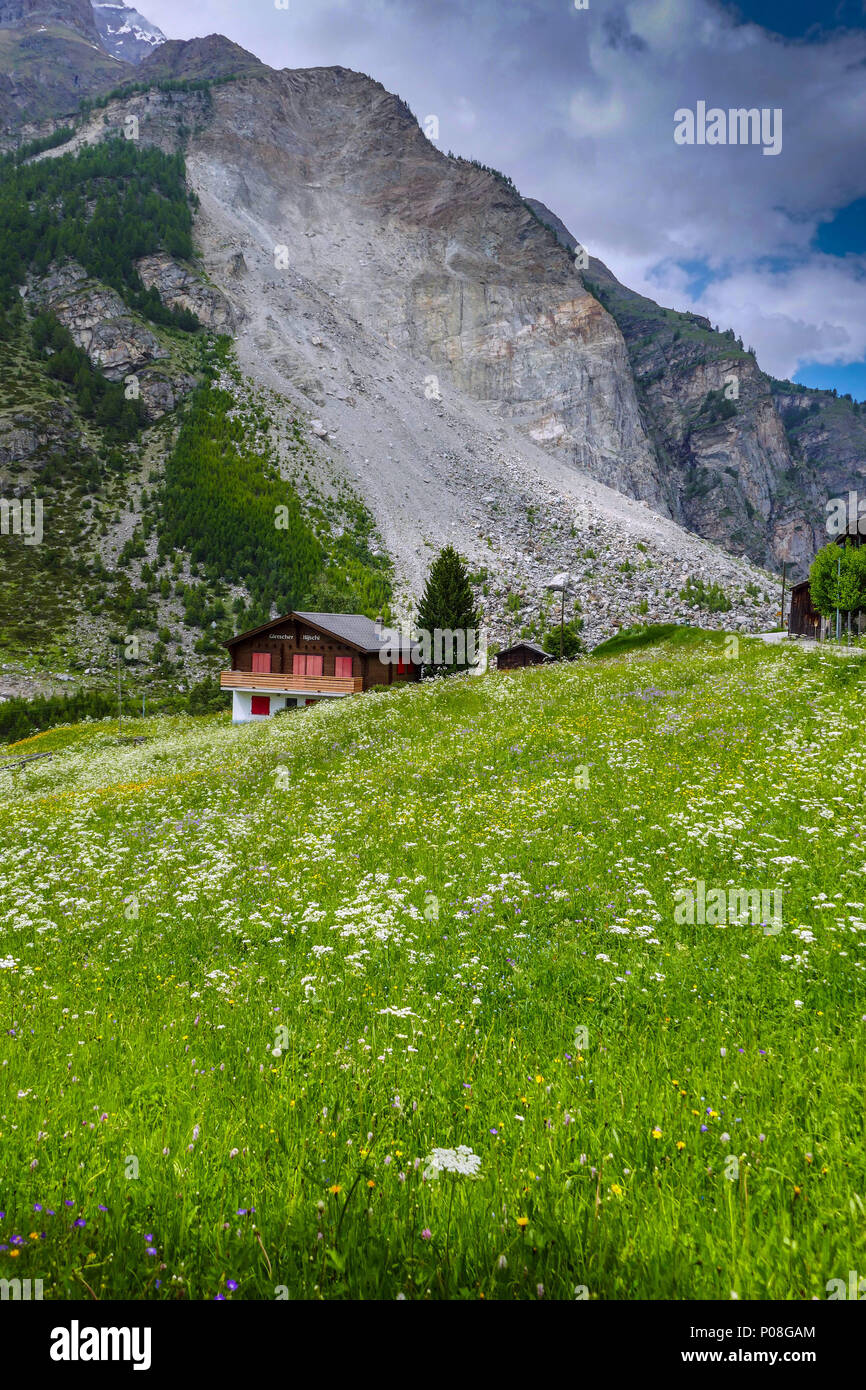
578, 107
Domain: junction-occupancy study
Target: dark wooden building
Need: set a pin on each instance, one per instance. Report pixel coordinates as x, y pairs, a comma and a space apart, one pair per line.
304, 657
521, 654
803, 619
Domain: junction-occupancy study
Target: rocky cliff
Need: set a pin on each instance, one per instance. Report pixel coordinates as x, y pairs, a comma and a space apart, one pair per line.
744, 460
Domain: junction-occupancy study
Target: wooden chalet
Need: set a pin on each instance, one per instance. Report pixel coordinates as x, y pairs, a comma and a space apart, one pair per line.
522, 654
303, 657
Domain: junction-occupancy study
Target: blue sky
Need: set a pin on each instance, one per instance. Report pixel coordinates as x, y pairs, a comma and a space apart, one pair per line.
798, 19
846, 233
578, 107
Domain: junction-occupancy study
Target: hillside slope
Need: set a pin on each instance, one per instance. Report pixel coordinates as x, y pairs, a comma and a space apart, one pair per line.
51, 56
466, 953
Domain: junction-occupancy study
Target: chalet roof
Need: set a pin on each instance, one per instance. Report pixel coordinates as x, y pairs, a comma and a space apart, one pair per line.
353, 628
526, 646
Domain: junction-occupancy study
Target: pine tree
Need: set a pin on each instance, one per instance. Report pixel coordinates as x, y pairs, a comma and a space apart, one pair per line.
447, 605
566, 641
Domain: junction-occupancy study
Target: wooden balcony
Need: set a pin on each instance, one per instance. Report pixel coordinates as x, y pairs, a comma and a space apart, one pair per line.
287, 684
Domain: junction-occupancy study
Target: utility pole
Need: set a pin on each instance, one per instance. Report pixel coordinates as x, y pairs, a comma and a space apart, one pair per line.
561, 584
838, 595
119, 699
562, 627
784, 572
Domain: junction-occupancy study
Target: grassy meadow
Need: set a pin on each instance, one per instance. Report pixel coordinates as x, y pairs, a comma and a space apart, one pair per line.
252, 978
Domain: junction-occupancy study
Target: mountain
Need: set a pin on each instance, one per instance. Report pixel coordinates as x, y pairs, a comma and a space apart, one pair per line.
76, 15
51, 57
414, 359
125, 33
751, 469
207, 59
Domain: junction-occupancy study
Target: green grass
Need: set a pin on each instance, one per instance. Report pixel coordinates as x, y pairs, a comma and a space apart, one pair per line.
245, 1004
631, 639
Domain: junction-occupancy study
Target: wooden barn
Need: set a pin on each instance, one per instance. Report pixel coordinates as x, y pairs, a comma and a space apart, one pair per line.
303, 657
522, 654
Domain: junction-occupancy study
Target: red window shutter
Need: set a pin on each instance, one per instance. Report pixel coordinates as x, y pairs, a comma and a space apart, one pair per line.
299, 664
314, 665
262, 663
401, 668
261, 704
343, 667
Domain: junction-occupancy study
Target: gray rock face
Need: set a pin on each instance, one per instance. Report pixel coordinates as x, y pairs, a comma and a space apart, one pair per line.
447, 357
159, 394
118, 343
756, 481
100, 323
180, 288
30, 439
440, 259
827, 439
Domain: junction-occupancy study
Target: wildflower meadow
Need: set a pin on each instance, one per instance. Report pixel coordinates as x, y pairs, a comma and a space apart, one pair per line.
395, 997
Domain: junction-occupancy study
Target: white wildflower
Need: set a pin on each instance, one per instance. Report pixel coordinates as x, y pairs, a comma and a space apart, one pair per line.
459, 1160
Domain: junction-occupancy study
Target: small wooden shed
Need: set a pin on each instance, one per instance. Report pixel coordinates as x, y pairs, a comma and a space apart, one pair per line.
522, 654
804, 620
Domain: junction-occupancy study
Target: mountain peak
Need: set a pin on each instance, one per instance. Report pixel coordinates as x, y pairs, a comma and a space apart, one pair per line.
211, 57
124, 31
